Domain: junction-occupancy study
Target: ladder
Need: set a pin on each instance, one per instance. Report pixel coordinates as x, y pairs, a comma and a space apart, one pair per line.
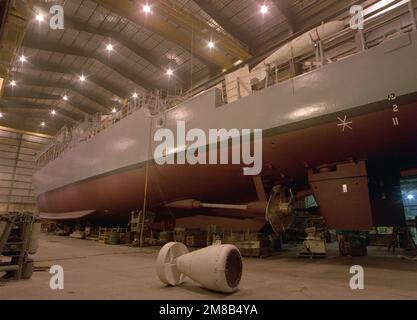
15, 241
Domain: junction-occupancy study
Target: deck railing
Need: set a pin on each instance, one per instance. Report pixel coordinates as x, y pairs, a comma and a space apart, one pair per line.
92, 125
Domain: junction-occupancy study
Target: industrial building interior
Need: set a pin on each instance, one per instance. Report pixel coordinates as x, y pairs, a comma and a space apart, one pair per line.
321, 93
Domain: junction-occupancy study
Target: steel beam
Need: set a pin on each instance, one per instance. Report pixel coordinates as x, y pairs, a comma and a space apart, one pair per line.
36, 82
29, 105
24, 132
412, 15
185, 19
20, 93
32, 43
55, 68
38, 111
18, 120
284, 6
230, 28
118, 40
25, 94
159, 25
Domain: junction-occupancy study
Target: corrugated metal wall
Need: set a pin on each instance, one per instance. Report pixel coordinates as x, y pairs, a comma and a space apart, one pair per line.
17, 164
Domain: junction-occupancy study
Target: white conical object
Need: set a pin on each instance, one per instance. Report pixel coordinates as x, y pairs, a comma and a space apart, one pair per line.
218, 267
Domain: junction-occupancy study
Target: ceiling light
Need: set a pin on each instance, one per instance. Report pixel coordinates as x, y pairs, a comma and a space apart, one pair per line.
410, 197
135, 95
43, 124
1, 115
211, 44
40, 17
82, 78
22, 58
237, 62
170, 72
114, 110
12, 83
53, 112
65, 98
147, 8
264, 9
109, 47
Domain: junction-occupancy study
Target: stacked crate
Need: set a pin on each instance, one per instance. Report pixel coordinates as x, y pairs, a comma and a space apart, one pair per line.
111, 235
250, 244
195, 238
179, 235
166, 236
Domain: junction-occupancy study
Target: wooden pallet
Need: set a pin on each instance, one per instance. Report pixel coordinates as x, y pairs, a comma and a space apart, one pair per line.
104, 233
312, 255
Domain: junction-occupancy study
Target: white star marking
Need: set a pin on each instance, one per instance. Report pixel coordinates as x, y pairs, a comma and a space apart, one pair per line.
345, 124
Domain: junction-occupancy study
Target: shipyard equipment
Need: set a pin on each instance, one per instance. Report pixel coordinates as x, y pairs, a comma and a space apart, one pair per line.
314, 246
19, 235
352, 243
218, 267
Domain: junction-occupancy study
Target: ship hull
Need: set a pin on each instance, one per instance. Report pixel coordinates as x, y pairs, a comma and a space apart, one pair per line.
287, 153
339, 112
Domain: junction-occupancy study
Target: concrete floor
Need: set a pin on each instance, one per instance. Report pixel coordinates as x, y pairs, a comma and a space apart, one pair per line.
96, 271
